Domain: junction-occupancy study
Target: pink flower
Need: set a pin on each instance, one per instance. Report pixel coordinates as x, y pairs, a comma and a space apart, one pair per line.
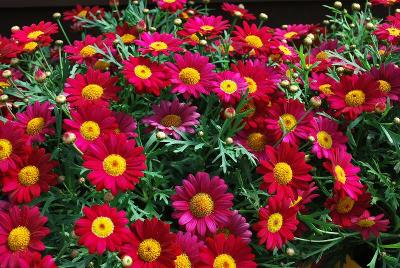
156, 44
367, 224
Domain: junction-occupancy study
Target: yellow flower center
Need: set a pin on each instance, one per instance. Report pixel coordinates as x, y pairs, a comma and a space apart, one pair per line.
224, 261
251, 84
90, 130
171, 120
355, 98
4, 84
189, 76
142, 71
183, 261
207, 28
149, 250
393, 31
287, 122
365, 223
257, 141
35, 34
322, 55
101, 65
28, 175
6, 149
290, 35
275, 222
340, 174
285, 50
295, 202
195, 38
201, 205
19, 238
102, 227
31, 46
228, 86
35, 125
345, 205
169, 1
283, 173
114, 165
82, 14
87, 51
324, 139
158, 45
326, 89
384, 86
254, 41
128, 38
92, 92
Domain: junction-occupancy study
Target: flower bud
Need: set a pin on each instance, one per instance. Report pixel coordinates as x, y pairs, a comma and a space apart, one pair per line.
311, 138
284, 26
201, 133
307, 158
82, 180
59, 43
108, 197
7, 73
325, 22
229, 112
153, 29
127, 261
380, 107
69, 138
263, 17
285, 83
61, 99
229, 140
352, 25
238, 14
60, 179
146, 10
4, 98
396, 120
57, 15
356, 7
338, 4
161, 135
15, 29
397, 10
135, 2
203, 42
294, 88
141, 26
177, 21
308, 41
290, 251
312, 36
370, 26
40, 76
74, 253
241, 6
316, 101
340, 70
206, 2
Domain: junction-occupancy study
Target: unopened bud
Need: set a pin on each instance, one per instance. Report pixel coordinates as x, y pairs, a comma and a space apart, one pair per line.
74, 253
61, 179
14, 61
127, 261
178, 21
263, 16
15, 29
229, 112
307, 158
294, 88
380, 107
316, 101
356, 7
153, 29
108, 197
238, 14
290, 251
61, 99
7, 74
311, 138
40, 76
161, 135
4, 98
325, 22
307, 41
57, 15
82, 180
146, 10
370, 26
229, 140
338, 4
396, 120
201, 133
203, 42
285, 83
69, 138
59, 43
340, 70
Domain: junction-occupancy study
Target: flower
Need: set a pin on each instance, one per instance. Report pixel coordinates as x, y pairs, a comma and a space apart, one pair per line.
250, 37
282, 52
354, 95
284, 171
115, 163
126, 33
192, 75
367, 224
346, 180
226, 252
326, 136
170, 5
40, 34
305, 197
388, 77
190, 247
173, 118
32, 175
388, 32
202, 203
89, 123
126, 124
37, 261
94, 87
322, 83
277, 222
320, 54
229, 87
12, 141
209, 26
151, 244
236, 226
37, 121
292, 32
146, 76
82, 12
8, 50
383, 2
156, 44
289, 121
21, 233
235, 10
343, 208
101, 228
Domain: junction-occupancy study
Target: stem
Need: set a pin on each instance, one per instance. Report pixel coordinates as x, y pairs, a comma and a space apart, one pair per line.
63, 31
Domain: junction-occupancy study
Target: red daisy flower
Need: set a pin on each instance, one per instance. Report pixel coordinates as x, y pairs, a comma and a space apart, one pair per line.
115, 162
8, 50
322, 83
209, 26
101, 228
326, 136
354, 95
36, 261
237, 11
256, 75
94, 87
388, 32
89, 123
289, 121
367, 224
157, 43
78, 11
12, 141
305, 197
190, 247
202, 203
237, 226
343, 209
37, 121
128, 34
32, 176
250, 37
229, 87
21, 233
192, 74
282, 52
388, 77
284, 171
146, 76
226, 252
126, 124
151, 245
320, 54
37, 33
383, 2
292, 32
345, 174
277, 222
170, 5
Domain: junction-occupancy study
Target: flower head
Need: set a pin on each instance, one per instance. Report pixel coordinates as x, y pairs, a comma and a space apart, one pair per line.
190, 247
229, 87
237, 226
170, 5
237, 11
367, 224
250, 37
157, 43
208, 26
388, 77
12, 141
39, 34
292, 32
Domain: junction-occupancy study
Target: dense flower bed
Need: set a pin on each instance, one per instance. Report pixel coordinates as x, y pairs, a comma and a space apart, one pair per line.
169, 137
